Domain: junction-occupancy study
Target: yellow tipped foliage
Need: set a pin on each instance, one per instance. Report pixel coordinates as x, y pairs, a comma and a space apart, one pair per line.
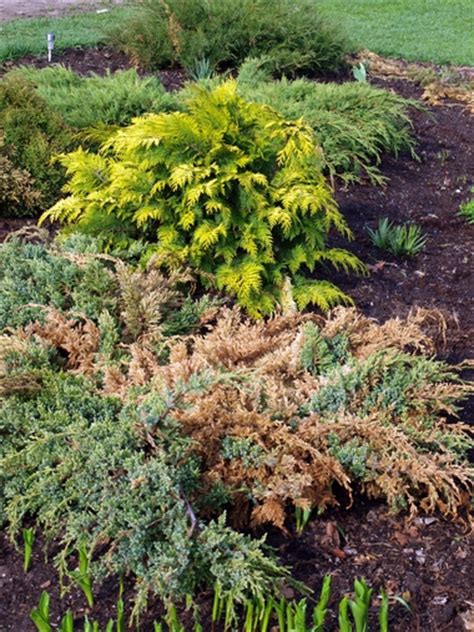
228, 187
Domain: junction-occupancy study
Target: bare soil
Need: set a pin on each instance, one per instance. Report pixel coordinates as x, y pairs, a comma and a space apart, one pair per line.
11, 9
427, 192
429, 561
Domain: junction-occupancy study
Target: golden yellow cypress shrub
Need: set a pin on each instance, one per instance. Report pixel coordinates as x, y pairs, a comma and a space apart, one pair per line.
227, 187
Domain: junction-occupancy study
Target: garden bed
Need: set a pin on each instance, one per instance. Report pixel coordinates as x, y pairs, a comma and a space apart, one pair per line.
426, 561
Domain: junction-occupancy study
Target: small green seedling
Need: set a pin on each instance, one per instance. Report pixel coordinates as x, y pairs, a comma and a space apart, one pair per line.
360, 605
91, 626
120, 610
343, 619
82, 576
302, 516
321, 609
67, 623
172, 619
466, 209
28, 539
40, 614
383, 613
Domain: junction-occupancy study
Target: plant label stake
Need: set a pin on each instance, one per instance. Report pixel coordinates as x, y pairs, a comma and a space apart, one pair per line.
51, 38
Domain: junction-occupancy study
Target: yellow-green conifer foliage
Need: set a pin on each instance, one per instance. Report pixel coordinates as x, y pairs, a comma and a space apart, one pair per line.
227, 186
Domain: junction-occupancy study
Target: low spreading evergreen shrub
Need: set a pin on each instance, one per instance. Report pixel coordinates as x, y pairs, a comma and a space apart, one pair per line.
74, 278
128, 442
228, 187
224, 32
354, 123
85, 101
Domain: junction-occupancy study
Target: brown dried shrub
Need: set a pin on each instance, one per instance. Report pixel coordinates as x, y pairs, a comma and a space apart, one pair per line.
276, 432
258, 392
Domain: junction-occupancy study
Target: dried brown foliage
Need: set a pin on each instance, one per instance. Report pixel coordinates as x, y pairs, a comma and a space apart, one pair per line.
257, 391
76, 338
144, 295
257, 388
457, 85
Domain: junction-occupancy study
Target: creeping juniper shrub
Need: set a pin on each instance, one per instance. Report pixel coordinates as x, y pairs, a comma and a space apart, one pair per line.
244, 449
113, 99
70, 443
354, 123
33, 279
70, 278
319, 354
352, 455
136, 460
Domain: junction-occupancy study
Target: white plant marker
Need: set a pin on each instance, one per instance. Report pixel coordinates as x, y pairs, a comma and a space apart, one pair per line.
51, 38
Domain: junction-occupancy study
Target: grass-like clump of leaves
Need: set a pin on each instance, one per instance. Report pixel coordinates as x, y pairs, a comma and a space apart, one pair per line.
228, 187
401, 240
466, 209
181, 32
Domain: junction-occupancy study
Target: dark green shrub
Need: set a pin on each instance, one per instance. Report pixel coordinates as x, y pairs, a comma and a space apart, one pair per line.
84, 101
18, 195
31, 135
224, 32
354, 123
228, 187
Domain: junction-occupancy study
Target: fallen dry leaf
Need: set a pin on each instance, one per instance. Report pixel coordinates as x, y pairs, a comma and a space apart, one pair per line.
401, 538
468, 618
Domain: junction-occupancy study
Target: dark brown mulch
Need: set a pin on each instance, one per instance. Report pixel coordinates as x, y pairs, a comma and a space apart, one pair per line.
427, 193
100, 60
10, 225
426, 562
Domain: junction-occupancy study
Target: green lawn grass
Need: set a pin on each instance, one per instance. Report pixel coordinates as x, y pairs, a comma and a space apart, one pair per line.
25, 36
440, 31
